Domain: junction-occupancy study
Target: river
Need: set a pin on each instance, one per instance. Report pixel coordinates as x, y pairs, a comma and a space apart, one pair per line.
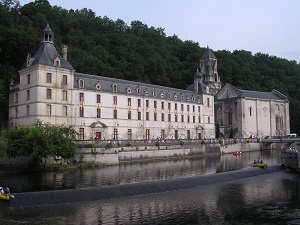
266, 199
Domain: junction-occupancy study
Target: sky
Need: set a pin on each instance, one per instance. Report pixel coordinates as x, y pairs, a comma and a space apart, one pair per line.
267, 26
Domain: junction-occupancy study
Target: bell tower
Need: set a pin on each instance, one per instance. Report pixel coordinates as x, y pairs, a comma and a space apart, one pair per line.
209, 71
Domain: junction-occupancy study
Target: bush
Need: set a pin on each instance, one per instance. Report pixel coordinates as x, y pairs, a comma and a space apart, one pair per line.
108, 145
181, 143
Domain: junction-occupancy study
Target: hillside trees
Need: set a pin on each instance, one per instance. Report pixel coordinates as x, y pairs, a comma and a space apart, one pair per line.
137, 52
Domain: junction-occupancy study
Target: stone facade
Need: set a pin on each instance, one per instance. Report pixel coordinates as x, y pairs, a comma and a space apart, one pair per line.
103, 108
251, 113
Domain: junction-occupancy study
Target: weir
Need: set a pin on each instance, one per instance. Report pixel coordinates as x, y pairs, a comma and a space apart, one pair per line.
36, 199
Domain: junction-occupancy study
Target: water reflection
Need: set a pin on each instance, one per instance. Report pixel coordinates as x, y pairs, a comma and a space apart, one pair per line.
135, 173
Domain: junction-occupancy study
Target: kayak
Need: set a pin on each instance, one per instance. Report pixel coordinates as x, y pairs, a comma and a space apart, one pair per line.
261, 165
237, 153
5, 197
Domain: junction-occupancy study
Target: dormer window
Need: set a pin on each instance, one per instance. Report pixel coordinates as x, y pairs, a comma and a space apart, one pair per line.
98, 87
175, 97
188, 98
161, 94
169, 95
181, 97
138, 90
154, 93
81, 83
128, 90
114, 88
56, 61
146, 92
193, 99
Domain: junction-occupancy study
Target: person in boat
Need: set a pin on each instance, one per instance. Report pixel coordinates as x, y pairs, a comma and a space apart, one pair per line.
254, 162
1, 191
6, 191
261, 162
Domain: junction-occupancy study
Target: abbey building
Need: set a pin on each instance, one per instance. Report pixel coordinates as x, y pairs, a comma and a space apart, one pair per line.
50, 90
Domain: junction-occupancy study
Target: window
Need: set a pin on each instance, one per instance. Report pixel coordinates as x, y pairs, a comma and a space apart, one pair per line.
115, 99
250, 111
139, 102
155, 104
65, 111
65, 95
98, 113
28, 78
162, 105
81, 133
139, 116
137, 90
98, 98
115, 134
129, 134
27, 110
188, 118
48, 78
193, 108
16, 97
147, 103
175, 106
188, 134
155, 116
194, 119
208, 119
147, 115
28, 94
81, 104
176, 117
182, 118
162, 117
65, 80
49, 94
169, 106
129, 114
114, 88
147, 134
48, 110
115, 114
16, 112
207, 102
129, 101
188, 108
81, 83
169, 117
162, 134
182, 109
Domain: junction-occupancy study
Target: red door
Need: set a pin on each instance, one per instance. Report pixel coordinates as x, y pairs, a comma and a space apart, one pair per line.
98, 137
199, 135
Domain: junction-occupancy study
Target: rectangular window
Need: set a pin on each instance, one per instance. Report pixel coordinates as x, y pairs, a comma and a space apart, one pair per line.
129, 101
169, 117
65, 80
115, 134
81, 133
207, 102
139, 116
139, 102
65, 111
182, 118
188, 118
199, 119
162, 134
48, 110
81, 111
48, 78
194, 119
16, 97
129, 134
28, 94
115, 100
208, 119
98, 98
147, 134
27, 110
129, 114
65, 95
28, 78
147, 115
198, 108
182, 109
188, 108
155, 104
81, 99
169, 106
175, 106
98, 113
188, 134
162, 117
176, 118
17, 112
155, 116
147, 103
162, 105
49, 94
193, 108
115, 114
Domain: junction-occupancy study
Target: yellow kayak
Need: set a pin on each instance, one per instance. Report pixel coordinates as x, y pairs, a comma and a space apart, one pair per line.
5, 197
261, 165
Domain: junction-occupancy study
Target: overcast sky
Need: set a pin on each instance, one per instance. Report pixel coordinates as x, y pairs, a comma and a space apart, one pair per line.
267, 26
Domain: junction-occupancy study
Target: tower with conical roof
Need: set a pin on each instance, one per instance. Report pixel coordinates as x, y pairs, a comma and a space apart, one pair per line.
209, 71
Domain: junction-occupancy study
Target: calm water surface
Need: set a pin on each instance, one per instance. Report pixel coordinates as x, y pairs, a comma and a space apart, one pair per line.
266, 199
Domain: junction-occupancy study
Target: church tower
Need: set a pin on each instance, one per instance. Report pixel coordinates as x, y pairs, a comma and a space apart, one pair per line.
209, 71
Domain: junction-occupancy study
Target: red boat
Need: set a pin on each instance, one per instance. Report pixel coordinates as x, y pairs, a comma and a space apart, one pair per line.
237, 153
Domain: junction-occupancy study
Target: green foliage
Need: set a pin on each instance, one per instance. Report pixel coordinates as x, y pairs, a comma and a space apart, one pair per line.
137, 52
40, 142
181, 143
108, 145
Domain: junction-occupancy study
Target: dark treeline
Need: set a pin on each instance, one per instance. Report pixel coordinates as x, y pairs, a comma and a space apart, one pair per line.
101, 46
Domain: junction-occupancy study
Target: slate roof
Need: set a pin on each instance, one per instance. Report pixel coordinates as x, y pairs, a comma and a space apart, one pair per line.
45, 55
130, 88
275, 95
208, 54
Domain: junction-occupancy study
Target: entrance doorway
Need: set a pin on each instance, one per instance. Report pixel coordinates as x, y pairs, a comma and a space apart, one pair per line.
98, 137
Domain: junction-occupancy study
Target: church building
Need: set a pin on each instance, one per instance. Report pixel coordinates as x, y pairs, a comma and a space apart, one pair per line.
51, 91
